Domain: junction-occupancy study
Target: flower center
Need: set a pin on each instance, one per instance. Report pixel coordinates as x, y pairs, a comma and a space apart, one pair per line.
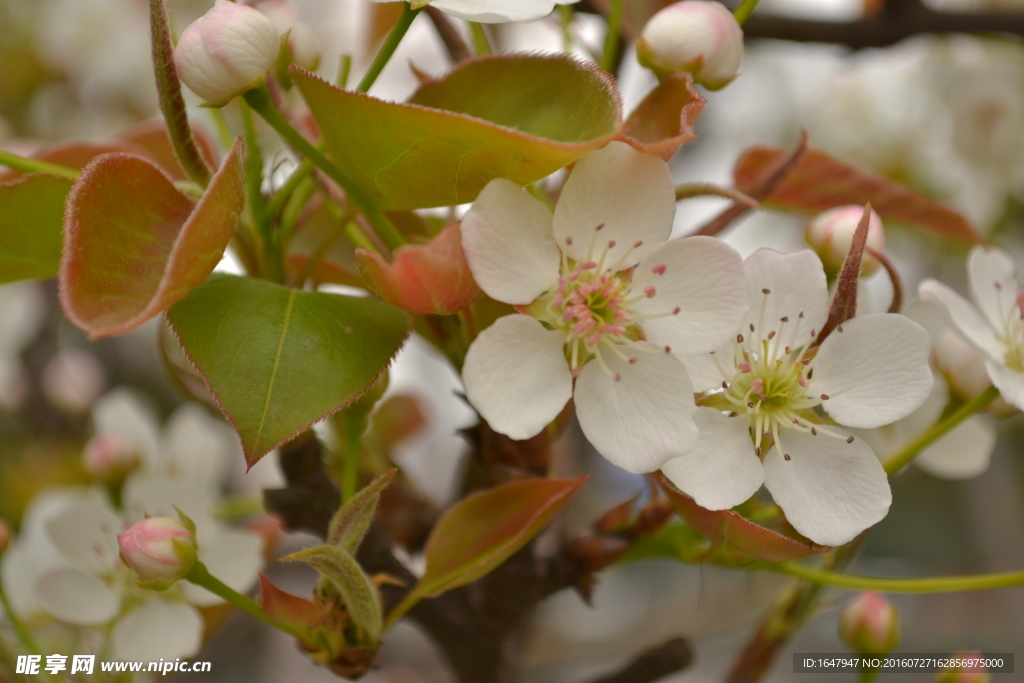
591, 306
768, 378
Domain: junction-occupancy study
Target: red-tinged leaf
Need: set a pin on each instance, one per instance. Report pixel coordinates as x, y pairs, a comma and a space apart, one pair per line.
152, 138
396, 418
134, 244
299, 613
479, 121
147, 139
664, 121
31, 216
431, 278
483, 530
821, 182
738, 534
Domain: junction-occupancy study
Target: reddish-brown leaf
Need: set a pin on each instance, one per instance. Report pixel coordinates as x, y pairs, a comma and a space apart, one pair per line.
736, 533
431, 278
822, 182
484, 529
134, 244
664, 120
299, 613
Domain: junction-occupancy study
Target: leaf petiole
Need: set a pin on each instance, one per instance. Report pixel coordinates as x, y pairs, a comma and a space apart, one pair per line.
200, 576
26, 165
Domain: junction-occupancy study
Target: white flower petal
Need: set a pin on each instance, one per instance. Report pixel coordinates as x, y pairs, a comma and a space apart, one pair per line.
85, 533
796, 285
123, 413
495, 11
19, 571
1009, 382
704, 279
722, 471
76, 597
643, 420
508, 243
194, 446
886, 440
829, 489
703, 370
628, 192
993, 284
516, 376
963, 453
964, 317
875, 371
158, 629
234, 557
147, 494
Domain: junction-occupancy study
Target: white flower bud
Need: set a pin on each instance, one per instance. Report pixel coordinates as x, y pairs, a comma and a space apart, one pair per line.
159, 550
72, 380
698, 36
830, 234
109, 458
870, 624
226, 52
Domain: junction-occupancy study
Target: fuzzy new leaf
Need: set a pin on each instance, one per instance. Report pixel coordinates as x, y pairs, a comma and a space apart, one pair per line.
30, 226
350, 522
357, 590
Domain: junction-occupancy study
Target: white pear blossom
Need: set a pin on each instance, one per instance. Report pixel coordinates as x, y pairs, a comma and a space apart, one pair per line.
784, 396
608, 304
995, 321
493, 11
65, 562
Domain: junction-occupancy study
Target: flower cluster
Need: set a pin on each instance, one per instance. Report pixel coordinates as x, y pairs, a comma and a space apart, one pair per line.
631, 325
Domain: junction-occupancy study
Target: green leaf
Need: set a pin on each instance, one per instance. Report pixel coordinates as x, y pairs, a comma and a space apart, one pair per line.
515, 116
483, 530
134, 244
678, 541
350, 522
276, 359
357, 590
31, 219
738, 534
821, 182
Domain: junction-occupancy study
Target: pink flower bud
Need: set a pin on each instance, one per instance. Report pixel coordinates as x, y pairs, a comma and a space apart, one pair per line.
159, 550
226, 52
698, 36
109, 458
830, 234
965, 674
5, 536
870, 624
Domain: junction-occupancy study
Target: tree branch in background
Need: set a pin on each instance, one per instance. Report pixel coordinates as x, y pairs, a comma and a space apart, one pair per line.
672, 657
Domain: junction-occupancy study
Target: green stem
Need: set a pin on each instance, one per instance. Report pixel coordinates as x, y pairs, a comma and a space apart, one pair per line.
611, 39
933, 584
281, 195
259, 100
19, 628
868, 675
26, 165
389, 47
565, 16
200, 576
912, 449
481, 43
744, 10
344, 70
354, 426
401, 609
705, 189
240, 506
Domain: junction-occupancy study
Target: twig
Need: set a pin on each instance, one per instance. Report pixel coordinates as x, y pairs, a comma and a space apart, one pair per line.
673, 656
894, 278
765, 186
457, 48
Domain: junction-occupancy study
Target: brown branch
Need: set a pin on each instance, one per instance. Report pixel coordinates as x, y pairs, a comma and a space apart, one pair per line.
894, 278
885, 29
450, 36
673, 656
764, 187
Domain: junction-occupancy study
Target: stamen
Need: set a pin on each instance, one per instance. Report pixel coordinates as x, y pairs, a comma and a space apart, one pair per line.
659, 269
850, 440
